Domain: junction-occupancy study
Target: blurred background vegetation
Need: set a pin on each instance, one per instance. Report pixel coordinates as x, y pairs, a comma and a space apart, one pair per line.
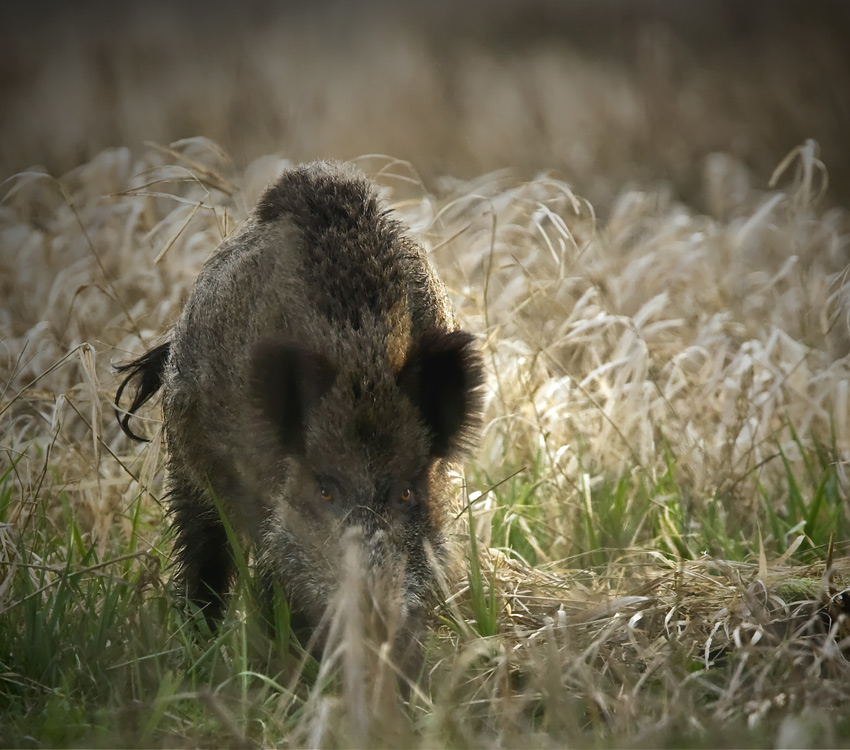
607, 93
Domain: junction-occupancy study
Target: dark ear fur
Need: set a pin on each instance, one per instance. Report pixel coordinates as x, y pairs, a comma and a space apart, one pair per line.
442, 375
287, 379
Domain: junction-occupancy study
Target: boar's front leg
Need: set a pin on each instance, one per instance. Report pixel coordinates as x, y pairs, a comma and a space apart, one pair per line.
203, 555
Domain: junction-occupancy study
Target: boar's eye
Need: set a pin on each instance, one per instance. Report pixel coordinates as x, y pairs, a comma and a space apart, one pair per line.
328, 489
404, 497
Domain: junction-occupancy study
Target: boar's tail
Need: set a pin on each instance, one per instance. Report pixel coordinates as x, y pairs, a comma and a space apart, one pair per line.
147, 371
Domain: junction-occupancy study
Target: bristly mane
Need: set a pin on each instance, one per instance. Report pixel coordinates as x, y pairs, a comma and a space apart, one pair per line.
351, 247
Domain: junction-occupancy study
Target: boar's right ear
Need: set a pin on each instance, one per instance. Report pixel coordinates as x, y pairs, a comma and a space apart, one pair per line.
286, 381
443, 375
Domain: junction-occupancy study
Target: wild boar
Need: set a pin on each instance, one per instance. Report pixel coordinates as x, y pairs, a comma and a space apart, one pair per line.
316, 382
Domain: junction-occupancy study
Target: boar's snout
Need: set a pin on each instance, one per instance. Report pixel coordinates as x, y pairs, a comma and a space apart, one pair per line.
391, 584
391, 555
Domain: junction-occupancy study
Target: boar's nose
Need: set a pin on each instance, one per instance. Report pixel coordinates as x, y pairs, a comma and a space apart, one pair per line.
369, 529
362, 516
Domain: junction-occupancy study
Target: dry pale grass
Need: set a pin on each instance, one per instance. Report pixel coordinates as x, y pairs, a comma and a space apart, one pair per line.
656, 337
606, 343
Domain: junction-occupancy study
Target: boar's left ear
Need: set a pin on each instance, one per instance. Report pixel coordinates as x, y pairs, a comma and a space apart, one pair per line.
286, 381
442, 375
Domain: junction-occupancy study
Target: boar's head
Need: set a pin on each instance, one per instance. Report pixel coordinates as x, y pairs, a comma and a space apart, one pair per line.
366, 450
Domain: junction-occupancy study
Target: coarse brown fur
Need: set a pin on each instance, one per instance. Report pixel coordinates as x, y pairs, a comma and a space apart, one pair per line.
315, 384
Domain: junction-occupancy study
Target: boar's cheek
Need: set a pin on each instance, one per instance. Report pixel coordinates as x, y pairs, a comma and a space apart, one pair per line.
442, 376
286, 381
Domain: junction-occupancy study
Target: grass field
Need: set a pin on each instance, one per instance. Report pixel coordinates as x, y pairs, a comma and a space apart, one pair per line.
660, 499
